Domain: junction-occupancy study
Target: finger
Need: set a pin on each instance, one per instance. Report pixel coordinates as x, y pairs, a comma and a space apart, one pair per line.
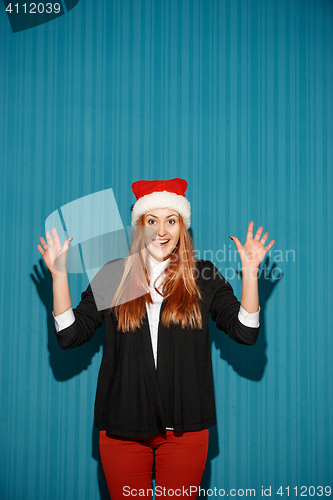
237, 242
264, 238
55, 236
49, 238
42, 251
269, 246
258, 233
43, 242
249, 235
66, 244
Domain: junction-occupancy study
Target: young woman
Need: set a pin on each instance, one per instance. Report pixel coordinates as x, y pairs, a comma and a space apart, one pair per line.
155, 397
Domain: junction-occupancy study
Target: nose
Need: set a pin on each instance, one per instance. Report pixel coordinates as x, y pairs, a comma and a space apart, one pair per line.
162, 231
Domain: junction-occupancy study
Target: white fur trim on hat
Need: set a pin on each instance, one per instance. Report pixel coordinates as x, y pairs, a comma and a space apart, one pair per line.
162, 199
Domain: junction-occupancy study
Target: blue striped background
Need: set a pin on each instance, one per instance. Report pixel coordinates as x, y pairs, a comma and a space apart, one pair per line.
236, 97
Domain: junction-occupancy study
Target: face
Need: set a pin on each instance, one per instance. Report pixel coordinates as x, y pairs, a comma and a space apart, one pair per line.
166, 224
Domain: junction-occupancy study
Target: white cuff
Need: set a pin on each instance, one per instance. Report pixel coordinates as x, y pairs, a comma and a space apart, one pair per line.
64, 320
249, 319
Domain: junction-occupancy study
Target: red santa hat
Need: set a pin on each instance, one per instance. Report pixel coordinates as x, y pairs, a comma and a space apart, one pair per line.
161, 194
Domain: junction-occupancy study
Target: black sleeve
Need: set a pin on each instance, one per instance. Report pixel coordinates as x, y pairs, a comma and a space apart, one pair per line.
87, 320
224, 311
96, 300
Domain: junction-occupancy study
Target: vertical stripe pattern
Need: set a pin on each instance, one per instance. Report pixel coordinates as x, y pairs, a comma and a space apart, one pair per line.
236, 97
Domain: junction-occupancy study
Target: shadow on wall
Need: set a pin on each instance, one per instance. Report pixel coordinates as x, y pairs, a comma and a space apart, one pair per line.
66, 364
248, 362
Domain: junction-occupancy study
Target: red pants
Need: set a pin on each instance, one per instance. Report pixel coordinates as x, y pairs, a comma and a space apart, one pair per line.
179, 464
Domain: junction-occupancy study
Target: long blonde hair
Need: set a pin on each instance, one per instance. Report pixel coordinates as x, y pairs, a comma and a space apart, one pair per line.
179, 287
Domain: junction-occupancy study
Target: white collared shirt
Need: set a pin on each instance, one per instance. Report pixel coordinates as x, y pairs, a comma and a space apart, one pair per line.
153, 310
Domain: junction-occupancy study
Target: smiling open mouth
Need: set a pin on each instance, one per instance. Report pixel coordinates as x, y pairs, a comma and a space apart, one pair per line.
160, 243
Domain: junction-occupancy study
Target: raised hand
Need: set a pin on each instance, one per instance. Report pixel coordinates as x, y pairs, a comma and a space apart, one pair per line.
253, 251
53, 253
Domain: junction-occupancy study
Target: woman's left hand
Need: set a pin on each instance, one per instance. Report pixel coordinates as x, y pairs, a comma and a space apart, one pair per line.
253, 252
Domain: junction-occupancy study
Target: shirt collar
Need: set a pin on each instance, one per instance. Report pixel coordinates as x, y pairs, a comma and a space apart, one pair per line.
157, 269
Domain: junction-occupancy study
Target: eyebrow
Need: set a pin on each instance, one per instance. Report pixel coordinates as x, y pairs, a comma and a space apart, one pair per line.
156, 217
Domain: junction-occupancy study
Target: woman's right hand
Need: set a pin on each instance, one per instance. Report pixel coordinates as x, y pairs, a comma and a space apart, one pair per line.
53, 253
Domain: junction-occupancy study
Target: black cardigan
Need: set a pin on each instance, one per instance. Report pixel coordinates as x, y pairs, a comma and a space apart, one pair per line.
134, 399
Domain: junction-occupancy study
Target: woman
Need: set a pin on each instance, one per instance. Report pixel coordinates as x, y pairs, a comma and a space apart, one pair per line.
155, 396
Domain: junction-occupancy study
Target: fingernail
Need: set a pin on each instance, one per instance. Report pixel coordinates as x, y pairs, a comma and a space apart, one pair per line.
231, 238
70, 239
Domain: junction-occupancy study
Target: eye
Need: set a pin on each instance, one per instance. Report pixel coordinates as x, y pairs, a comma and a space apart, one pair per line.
151, 221
172, 222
